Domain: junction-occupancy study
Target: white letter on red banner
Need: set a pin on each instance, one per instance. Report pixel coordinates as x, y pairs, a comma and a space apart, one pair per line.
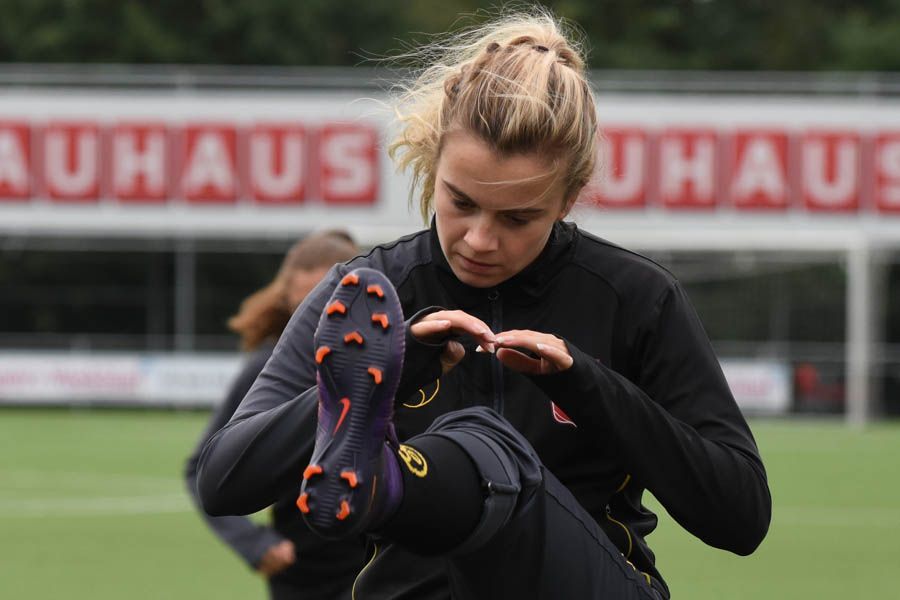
759, 178
71, 161
621, 174
15, 160
210, 164
349, 164
829, 171
887, 172
277, 164
687, 168
139, 162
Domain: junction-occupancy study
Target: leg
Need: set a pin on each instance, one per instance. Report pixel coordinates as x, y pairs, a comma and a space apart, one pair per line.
533, 539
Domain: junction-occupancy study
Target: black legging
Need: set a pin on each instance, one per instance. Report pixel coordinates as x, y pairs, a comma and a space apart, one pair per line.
533, 540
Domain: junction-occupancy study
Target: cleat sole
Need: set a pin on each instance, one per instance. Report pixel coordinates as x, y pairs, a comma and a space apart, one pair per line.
356, 384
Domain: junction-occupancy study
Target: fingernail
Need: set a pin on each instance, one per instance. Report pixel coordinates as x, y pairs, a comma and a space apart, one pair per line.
479, 349
499, 340
540, 346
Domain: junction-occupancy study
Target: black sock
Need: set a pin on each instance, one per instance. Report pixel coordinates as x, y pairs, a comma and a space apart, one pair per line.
442, 497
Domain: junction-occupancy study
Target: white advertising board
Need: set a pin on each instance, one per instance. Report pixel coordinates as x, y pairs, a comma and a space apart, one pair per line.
119, 379
760, 387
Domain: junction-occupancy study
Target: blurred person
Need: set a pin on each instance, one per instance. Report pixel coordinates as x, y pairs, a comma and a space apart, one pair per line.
295, 563
541, 377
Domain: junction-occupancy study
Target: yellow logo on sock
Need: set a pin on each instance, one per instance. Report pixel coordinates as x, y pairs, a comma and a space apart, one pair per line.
414, 460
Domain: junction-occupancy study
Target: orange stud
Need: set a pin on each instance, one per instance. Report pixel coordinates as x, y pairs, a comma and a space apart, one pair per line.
353, 336
350, 477
376, 290
376, 374
350, 279
336, 307
302, 503
345, 510
312, 470
381, 318
321, 353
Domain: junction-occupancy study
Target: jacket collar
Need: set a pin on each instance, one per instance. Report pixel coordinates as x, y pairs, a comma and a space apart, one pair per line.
525, 287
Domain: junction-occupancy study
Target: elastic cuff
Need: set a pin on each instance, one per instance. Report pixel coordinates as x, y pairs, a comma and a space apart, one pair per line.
569, 383
500, 485
421, 360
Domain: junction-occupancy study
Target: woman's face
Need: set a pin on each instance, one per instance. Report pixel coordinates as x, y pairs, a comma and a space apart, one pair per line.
494, 213
300, 283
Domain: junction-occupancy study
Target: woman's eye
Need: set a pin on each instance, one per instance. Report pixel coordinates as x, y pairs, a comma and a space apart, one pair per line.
462, 204
517, 221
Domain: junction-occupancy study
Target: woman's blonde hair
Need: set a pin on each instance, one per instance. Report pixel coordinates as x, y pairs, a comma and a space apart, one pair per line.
265, 313
518, 83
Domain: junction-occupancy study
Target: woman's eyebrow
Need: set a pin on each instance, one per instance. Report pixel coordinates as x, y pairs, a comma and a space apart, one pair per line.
525, 210
458, 192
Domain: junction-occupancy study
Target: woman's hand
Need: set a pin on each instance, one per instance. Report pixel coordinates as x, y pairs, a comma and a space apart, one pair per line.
277, 558
550, 354
439, 325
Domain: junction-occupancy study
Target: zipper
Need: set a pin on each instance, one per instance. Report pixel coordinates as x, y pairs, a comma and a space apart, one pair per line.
609, 517
496, 366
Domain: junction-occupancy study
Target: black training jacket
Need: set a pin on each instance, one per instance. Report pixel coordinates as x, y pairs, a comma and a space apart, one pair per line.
644, 406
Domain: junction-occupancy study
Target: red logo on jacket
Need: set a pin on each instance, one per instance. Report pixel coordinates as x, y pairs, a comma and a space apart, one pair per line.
560, 417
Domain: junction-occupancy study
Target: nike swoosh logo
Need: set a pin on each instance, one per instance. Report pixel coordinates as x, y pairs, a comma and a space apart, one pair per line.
346, 403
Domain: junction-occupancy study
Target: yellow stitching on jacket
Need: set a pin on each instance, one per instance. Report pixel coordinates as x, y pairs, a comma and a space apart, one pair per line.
624, 483
423, 401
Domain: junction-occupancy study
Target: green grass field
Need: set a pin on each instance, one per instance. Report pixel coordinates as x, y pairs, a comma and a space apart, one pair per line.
92, 505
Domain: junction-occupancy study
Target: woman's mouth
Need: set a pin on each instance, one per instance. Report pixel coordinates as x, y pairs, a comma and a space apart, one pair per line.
475, 266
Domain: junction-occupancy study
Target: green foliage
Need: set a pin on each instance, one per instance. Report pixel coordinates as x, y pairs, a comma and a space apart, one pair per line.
624, 34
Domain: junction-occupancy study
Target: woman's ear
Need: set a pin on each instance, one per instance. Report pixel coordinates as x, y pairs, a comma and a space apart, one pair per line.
567, 207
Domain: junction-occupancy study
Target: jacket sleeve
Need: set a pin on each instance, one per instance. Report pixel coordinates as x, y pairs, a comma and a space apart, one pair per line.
676, 428
246, 538
259, 455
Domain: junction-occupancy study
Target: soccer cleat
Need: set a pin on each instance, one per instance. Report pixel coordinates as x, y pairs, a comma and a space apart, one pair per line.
353, 482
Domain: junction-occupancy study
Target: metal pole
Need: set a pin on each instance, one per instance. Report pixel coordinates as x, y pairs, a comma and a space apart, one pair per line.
185, 294
859, 333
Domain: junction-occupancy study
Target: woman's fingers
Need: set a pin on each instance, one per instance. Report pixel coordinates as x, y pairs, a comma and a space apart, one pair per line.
427, 329
550, 354
517, 361
451, 356
452, 322
559, 358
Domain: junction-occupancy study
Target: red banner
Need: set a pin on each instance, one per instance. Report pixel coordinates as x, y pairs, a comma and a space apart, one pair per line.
290, 164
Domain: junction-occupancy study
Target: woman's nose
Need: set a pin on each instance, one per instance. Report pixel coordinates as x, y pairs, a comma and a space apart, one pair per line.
481, 238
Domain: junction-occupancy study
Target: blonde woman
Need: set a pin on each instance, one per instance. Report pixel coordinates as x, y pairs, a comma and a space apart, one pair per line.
540, 377
285, 553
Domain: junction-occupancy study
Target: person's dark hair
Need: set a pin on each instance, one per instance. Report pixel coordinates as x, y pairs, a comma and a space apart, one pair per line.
265, 313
